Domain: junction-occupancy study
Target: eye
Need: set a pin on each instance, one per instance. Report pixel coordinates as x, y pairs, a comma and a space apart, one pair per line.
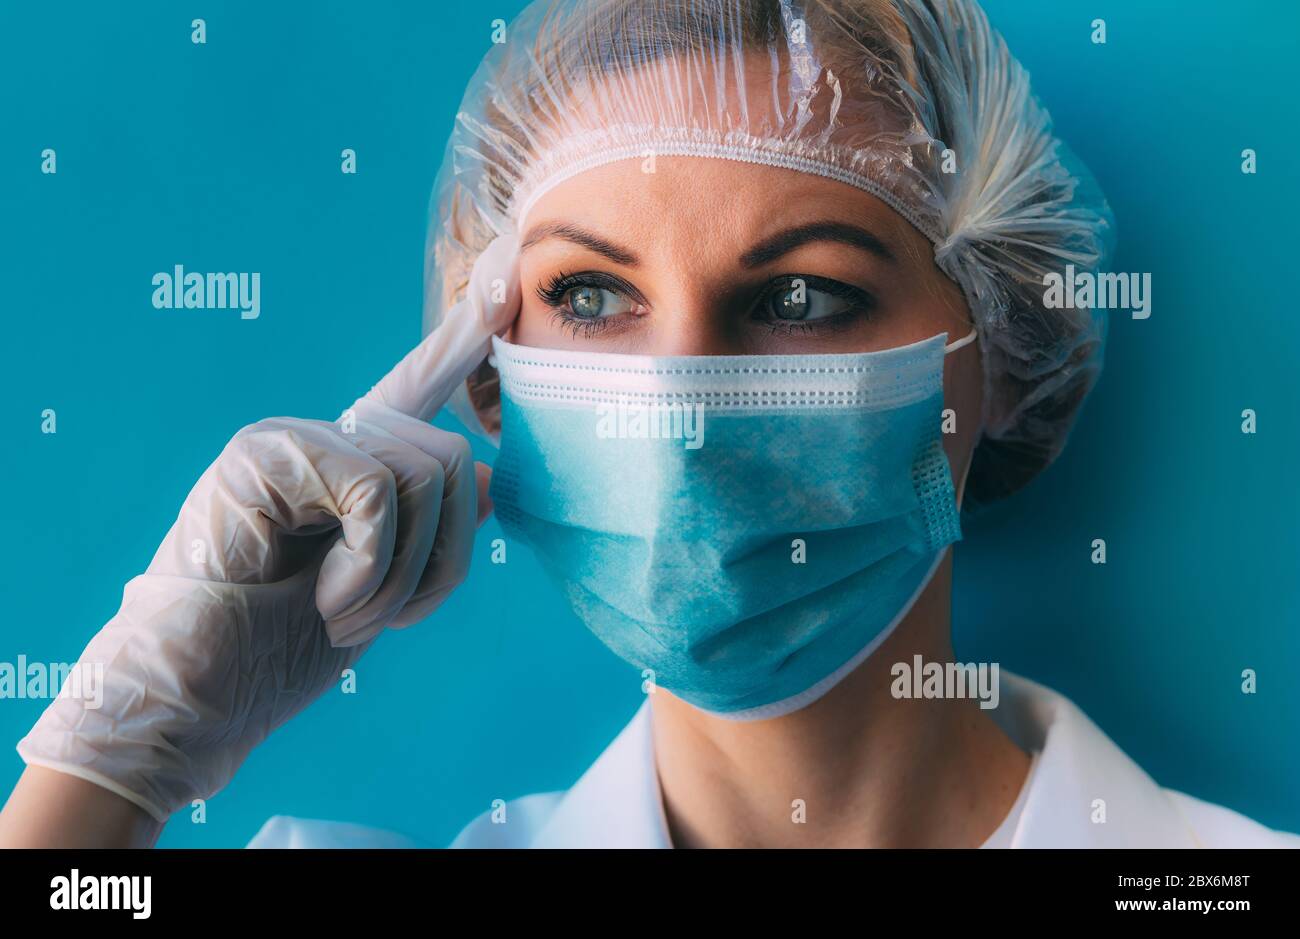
587, 300
799, 299
590, 302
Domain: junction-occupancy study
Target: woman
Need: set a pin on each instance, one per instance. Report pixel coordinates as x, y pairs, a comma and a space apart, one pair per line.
751, 295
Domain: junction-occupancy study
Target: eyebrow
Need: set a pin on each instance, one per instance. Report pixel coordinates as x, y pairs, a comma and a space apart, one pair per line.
764, 252
579, 236
786, 241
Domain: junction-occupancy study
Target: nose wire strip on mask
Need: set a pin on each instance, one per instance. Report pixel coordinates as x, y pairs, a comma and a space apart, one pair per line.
727, 383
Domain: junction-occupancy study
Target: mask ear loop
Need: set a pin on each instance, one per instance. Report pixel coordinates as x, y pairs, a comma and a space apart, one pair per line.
962, 342
953, 347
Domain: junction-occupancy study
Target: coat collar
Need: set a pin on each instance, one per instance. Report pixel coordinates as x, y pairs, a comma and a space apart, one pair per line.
617, 803
1082, 777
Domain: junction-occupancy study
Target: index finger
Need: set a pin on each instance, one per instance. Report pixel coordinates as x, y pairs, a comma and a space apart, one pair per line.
429, 374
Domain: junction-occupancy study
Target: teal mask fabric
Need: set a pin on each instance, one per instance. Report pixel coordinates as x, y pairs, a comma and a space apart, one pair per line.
746, 528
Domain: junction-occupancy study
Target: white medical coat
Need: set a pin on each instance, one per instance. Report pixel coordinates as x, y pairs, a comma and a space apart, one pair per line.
617, 804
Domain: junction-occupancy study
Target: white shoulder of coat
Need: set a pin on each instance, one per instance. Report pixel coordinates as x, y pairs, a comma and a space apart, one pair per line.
285, 831
515, 826
1218, 827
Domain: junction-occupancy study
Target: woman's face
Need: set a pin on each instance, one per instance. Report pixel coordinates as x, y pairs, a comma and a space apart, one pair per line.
713, 257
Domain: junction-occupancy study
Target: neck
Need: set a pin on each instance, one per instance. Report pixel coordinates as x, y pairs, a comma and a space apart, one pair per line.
857, 768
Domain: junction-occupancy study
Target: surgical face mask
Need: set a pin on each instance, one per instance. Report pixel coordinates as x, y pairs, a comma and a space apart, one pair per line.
746, 529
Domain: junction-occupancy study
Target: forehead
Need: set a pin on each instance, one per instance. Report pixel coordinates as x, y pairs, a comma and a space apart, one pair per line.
707, 200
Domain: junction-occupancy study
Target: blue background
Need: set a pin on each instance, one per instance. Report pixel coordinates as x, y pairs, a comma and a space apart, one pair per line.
225, 156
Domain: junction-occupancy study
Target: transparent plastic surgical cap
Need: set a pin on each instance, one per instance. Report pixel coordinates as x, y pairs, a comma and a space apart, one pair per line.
917, 102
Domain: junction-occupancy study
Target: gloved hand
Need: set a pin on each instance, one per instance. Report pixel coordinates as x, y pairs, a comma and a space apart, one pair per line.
294, 550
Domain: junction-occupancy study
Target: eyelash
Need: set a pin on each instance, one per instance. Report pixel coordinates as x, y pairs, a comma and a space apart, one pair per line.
862, 304
554, 290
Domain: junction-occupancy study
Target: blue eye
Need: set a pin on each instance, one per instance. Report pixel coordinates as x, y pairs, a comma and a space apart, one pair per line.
591, 302
797, 300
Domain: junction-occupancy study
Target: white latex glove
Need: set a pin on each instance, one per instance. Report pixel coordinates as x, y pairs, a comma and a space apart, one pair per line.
294, 550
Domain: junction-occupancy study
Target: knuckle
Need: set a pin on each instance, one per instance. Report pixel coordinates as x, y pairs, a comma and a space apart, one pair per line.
459, 572
460, 448
437, 474
455, 451
457, 560
377, 483
267, 432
